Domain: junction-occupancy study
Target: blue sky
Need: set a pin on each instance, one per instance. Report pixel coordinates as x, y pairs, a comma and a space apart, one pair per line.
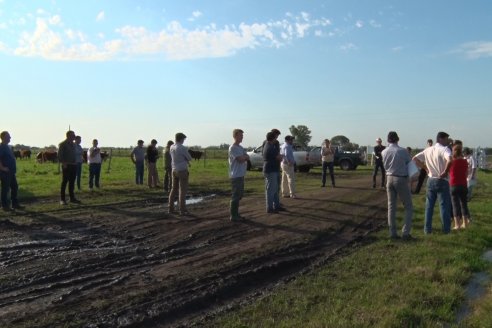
125, 70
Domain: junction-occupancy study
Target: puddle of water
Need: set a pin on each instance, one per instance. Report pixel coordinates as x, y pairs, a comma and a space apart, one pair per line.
196, 200
475, 289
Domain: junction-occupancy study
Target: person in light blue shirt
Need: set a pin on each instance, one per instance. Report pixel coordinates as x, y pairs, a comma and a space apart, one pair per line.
395, 161
288, 186
238, 159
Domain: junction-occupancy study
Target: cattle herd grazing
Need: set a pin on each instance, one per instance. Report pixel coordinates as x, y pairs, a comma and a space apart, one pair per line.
22, 154
52, 156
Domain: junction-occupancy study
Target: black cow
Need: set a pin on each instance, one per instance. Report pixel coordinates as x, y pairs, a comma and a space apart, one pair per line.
195, 154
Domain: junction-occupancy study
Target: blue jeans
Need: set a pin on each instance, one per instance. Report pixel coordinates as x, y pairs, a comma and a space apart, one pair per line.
329, 166
94, 174
78, 175
139, 172
438, 188
271, 188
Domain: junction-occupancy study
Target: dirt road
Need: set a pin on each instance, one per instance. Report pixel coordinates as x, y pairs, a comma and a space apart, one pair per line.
135, 265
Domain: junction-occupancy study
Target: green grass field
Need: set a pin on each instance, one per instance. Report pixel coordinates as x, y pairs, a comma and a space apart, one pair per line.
377, 283
388, 284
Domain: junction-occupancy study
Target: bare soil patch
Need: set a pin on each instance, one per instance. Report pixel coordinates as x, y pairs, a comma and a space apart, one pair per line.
134, 265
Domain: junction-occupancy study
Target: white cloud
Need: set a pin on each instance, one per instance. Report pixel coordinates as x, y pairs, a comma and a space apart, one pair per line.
397, 49
476, 50
348, 47
100, 17
173, 42
359, 24
374, 23
194, 15
3, 26
55, 20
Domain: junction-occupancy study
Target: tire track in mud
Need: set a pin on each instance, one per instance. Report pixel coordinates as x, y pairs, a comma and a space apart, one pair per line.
133, 265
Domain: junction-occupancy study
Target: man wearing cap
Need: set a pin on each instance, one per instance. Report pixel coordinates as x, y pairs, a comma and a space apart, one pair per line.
238, 159
437, 159
395, 161
288, 186
152, 156
180, 160
378, 163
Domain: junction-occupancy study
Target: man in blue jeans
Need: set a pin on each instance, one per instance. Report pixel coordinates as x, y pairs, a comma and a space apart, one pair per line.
8, 168
437, 159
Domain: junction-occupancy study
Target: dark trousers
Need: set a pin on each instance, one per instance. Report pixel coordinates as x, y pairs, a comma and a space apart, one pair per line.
94, 174
78, 175
168, 178
422, 175
69, 173
329, 166
139, 172
9, 183
379, 165
460, 202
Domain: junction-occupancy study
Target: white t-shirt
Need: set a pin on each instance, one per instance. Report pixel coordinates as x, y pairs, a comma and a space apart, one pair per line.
435, 158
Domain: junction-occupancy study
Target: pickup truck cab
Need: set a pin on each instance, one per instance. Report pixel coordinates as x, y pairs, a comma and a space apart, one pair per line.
303, 163
347, 160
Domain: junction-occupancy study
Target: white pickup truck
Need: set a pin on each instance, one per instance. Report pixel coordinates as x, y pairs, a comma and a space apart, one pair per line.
305, 160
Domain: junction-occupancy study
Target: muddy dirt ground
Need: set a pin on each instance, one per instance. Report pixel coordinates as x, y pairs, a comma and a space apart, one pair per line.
134, 265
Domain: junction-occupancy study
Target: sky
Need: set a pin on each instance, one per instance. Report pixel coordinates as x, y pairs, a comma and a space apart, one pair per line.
121, 70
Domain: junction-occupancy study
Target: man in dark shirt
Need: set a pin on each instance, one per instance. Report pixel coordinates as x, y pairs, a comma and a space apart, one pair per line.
8, 168
378, 163
152, 156
68, 161
271, 172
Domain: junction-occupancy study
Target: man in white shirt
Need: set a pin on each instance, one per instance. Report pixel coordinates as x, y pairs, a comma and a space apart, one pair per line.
472, 171
180, 160
288, 186
94, 159
437, 159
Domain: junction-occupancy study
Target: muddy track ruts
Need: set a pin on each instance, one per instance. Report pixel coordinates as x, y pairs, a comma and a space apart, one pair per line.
134, 265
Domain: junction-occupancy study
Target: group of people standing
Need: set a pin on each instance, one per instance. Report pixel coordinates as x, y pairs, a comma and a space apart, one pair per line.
448, 175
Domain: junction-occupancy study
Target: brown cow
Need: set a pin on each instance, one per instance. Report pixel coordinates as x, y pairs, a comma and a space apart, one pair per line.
47, 156
26, 153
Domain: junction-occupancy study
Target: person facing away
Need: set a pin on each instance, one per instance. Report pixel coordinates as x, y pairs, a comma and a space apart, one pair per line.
79, 159
94, 160
138, 158
271, 170
438, 160
395, 161
459, 190
152, 156
288, 185
68, 161
472, 171
180, 161
8, 170
378, 163
423, 172
328, 160
168, 167
238, 159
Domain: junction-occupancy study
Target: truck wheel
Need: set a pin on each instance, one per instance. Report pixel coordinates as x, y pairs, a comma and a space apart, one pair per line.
345, 164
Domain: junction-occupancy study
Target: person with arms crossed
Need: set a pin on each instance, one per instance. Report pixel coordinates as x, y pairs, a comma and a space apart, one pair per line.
238, 160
